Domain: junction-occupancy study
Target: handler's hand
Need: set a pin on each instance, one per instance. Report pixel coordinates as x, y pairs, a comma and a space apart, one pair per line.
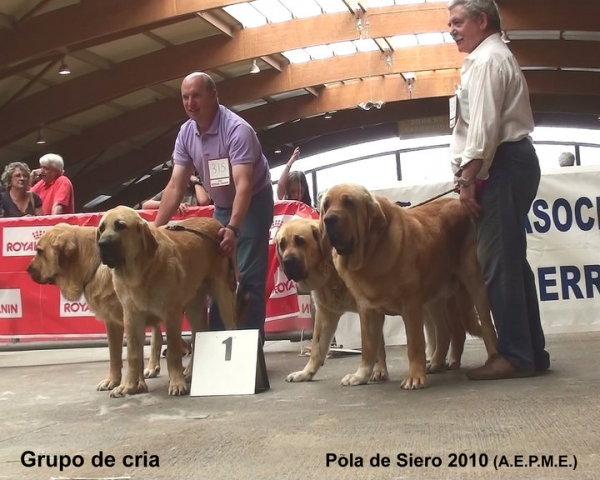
228, 240
469, 201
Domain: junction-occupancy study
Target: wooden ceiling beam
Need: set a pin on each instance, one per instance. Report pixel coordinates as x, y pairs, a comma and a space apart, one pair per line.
93, 20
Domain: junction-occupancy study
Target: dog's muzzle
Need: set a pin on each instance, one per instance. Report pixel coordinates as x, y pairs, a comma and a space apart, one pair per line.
109, 252
334, 233
36, 276
292, 268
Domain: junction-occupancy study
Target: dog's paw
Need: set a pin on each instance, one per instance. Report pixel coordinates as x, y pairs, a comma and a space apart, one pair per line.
179, 388
435, 367
453, 365
152, 371
122, 390
380, 375
413, 382
107, 384
352, 379
300, 376
187, 372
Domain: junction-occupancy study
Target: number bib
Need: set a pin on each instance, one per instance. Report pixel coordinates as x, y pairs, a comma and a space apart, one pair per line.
218, 171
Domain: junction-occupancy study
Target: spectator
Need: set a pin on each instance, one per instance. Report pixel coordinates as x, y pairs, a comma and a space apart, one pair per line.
55, 189
566, 159
226, 152
498, 171
293, 185
194, 196
17, 200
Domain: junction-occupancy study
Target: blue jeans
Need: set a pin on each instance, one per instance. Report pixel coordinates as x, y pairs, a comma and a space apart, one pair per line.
252, 259
502, 251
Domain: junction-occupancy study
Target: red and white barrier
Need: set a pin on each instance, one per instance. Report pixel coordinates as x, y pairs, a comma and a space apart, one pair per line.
29, 311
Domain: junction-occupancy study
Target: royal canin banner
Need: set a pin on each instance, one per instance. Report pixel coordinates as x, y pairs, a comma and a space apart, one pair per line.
29, 311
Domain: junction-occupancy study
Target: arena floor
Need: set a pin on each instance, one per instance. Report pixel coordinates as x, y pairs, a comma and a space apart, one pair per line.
50, 407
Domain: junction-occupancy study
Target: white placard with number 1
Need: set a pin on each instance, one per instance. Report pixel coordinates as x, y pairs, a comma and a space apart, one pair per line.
229, 362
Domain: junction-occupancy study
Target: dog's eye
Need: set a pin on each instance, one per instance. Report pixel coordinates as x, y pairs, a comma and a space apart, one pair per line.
282, 245
299, 241
325, 205
120, 225
101, 228
347, 201
38, 251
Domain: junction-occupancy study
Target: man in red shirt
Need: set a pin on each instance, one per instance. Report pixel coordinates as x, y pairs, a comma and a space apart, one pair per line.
55, 190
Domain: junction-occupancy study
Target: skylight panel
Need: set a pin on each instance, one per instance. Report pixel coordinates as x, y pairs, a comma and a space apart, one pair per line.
303, 8
402, 41
296, 56
246, 14
448, 38
408, 2
533, 34
579, 35
332, 6
273, 10
433, 38
319, 52
343, 48
379, 3
366, 45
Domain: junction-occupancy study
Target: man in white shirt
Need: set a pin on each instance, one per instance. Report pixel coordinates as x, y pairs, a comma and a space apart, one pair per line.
498, 172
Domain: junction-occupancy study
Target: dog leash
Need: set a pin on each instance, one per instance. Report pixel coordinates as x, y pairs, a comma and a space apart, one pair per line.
452, 190
232, 265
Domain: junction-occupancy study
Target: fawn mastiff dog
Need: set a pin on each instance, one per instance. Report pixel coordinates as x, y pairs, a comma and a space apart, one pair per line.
403, 262
67, 256
156, 271
306, 259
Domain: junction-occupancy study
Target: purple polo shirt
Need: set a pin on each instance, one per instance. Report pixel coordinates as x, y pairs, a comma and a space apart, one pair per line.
229, 136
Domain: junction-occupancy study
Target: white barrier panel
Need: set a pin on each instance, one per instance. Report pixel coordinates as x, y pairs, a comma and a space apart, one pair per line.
563, 243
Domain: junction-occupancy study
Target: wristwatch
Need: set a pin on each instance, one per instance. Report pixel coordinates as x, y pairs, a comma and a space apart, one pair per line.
235, 230
198, 182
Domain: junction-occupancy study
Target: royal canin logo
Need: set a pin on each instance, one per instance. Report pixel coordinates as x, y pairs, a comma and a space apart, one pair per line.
11, 305
21, 241
78, 308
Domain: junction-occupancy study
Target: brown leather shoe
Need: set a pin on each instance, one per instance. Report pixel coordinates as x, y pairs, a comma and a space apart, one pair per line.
497, 368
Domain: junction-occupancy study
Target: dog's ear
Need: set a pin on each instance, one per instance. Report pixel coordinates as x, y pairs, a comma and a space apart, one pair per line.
377, 223
149, 243
67, 249
321, 240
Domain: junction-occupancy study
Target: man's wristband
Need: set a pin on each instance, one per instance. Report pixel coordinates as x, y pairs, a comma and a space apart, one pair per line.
235, 230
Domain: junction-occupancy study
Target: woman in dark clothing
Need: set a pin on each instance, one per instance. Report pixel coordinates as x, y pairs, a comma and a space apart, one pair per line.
17, 200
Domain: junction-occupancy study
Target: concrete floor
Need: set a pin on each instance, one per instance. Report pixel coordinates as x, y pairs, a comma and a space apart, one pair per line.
49, 406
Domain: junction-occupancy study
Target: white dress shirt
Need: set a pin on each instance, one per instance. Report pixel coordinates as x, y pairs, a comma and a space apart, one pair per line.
493, 105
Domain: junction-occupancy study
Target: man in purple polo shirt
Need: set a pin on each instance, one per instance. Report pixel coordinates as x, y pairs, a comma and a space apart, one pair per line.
225, 151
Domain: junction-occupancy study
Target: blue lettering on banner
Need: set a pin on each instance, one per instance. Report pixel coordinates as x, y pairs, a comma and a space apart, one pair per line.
562, 214
571, 282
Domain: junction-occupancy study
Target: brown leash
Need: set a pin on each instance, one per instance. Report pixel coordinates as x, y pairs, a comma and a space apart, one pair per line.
452, 190
232, 265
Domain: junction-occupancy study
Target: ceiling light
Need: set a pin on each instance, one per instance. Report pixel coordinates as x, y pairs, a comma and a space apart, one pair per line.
370, 104
64, 68
327, 116
254, 68
277, 151
504, 37
40, 139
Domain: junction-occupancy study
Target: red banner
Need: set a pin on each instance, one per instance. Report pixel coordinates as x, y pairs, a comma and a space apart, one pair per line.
29, 311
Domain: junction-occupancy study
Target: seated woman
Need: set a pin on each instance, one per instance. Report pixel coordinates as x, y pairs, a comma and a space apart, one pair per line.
195, 196
293, 185
17, 200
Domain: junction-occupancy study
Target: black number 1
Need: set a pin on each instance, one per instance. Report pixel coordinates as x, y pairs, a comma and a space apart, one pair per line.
227, 344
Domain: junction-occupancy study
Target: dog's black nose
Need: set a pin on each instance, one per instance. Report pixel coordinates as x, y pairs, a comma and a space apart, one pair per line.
292, 268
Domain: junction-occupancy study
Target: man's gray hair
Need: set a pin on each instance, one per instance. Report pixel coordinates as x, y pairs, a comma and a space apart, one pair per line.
476, 7
566, 159
53, 160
